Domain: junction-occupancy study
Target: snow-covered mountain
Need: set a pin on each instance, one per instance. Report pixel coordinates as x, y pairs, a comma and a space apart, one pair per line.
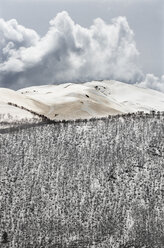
72, 101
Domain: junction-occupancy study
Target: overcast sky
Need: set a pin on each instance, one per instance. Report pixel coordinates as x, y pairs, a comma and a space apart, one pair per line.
144, 18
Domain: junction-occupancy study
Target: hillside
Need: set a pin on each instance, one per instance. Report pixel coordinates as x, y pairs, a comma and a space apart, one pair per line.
96, 183
73, 101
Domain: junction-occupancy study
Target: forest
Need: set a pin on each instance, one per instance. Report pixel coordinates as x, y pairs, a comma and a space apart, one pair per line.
96, 183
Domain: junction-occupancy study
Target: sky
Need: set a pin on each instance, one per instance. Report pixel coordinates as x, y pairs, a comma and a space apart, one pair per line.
52, 41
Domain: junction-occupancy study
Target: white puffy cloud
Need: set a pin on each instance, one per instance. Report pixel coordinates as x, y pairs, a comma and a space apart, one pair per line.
13, 37
68, 52
152, 82
16, 34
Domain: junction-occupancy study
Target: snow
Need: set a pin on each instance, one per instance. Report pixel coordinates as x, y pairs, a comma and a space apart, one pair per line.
12, 113
72, 101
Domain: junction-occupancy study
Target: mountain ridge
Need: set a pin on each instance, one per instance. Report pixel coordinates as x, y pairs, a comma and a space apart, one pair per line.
74, 101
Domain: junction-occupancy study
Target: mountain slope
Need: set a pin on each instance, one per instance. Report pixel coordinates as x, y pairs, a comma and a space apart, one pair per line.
72, 101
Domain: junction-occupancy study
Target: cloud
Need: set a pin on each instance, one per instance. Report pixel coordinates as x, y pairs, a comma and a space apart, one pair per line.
152, 82
14, 37
68, 52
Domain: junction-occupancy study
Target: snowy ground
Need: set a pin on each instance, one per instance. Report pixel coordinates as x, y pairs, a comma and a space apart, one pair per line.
72, 101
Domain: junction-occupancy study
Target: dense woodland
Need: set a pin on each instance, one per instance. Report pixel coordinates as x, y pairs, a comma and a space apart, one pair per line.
95, 183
